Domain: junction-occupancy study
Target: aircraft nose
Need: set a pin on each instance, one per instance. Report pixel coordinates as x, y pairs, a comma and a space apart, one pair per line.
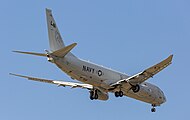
164, 98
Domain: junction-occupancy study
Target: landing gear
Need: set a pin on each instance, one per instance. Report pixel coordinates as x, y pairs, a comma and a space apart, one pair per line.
153, 109
118, 94
93, 95
135, 88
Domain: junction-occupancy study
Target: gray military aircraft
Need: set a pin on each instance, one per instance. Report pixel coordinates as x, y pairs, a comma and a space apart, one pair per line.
97, 79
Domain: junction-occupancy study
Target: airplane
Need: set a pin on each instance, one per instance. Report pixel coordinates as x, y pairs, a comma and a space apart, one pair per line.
99, 80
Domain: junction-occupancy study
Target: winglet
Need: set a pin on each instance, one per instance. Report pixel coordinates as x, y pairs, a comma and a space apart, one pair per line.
167, 61
170, 58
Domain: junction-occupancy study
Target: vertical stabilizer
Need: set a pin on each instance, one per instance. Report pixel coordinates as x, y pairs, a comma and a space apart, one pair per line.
55, 40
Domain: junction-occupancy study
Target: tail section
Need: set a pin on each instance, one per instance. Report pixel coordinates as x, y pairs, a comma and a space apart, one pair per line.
59, 53
64, 51
57, 46
32, 53
55, 40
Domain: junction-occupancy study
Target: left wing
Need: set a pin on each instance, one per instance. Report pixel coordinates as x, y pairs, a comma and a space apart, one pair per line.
59, 83
146, 74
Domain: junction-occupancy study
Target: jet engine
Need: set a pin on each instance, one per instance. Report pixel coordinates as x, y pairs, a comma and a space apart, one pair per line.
97, 94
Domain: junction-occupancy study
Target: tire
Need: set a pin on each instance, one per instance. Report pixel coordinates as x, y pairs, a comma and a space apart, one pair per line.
96, 96
116, 94
91, 95
153, 110
120, 94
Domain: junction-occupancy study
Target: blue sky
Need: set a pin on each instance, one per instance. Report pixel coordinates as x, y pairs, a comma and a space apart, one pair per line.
125, 35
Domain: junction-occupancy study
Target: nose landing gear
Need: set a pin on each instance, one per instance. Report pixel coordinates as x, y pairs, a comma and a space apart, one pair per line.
153, 109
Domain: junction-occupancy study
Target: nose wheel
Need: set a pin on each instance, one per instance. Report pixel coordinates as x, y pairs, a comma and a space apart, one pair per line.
153, 109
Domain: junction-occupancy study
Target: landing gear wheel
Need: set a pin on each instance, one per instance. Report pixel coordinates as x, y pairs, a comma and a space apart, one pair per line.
117, 94
153, 109
96, 96
92, 98
120, 94
91, 95
135, 88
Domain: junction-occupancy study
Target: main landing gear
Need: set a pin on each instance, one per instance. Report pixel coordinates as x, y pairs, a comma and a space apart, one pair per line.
135, 89
93, 95
118, 94
153, 109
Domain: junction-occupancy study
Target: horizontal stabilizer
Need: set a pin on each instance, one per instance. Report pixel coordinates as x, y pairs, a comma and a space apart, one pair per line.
63, 51
31, 53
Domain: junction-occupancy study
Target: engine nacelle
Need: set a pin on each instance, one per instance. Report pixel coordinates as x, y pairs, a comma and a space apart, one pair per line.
102, 95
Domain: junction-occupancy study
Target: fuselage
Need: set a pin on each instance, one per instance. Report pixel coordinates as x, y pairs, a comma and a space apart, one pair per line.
99, 80
102, 77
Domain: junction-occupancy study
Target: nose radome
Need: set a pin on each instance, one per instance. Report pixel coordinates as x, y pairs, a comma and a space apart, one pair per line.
164, 98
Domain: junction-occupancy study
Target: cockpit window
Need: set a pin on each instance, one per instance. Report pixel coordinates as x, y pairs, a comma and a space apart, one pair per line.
145, 85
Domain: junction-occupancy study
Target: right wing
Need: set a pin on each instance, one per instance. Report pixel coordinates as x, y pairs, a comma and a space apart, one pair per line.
144, 75
59, 83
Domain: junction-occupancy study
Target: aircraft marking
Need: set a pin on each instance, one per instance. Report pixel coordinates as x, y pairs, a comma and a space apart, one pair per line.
100, 73
91, 70
53, 24
88, 69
